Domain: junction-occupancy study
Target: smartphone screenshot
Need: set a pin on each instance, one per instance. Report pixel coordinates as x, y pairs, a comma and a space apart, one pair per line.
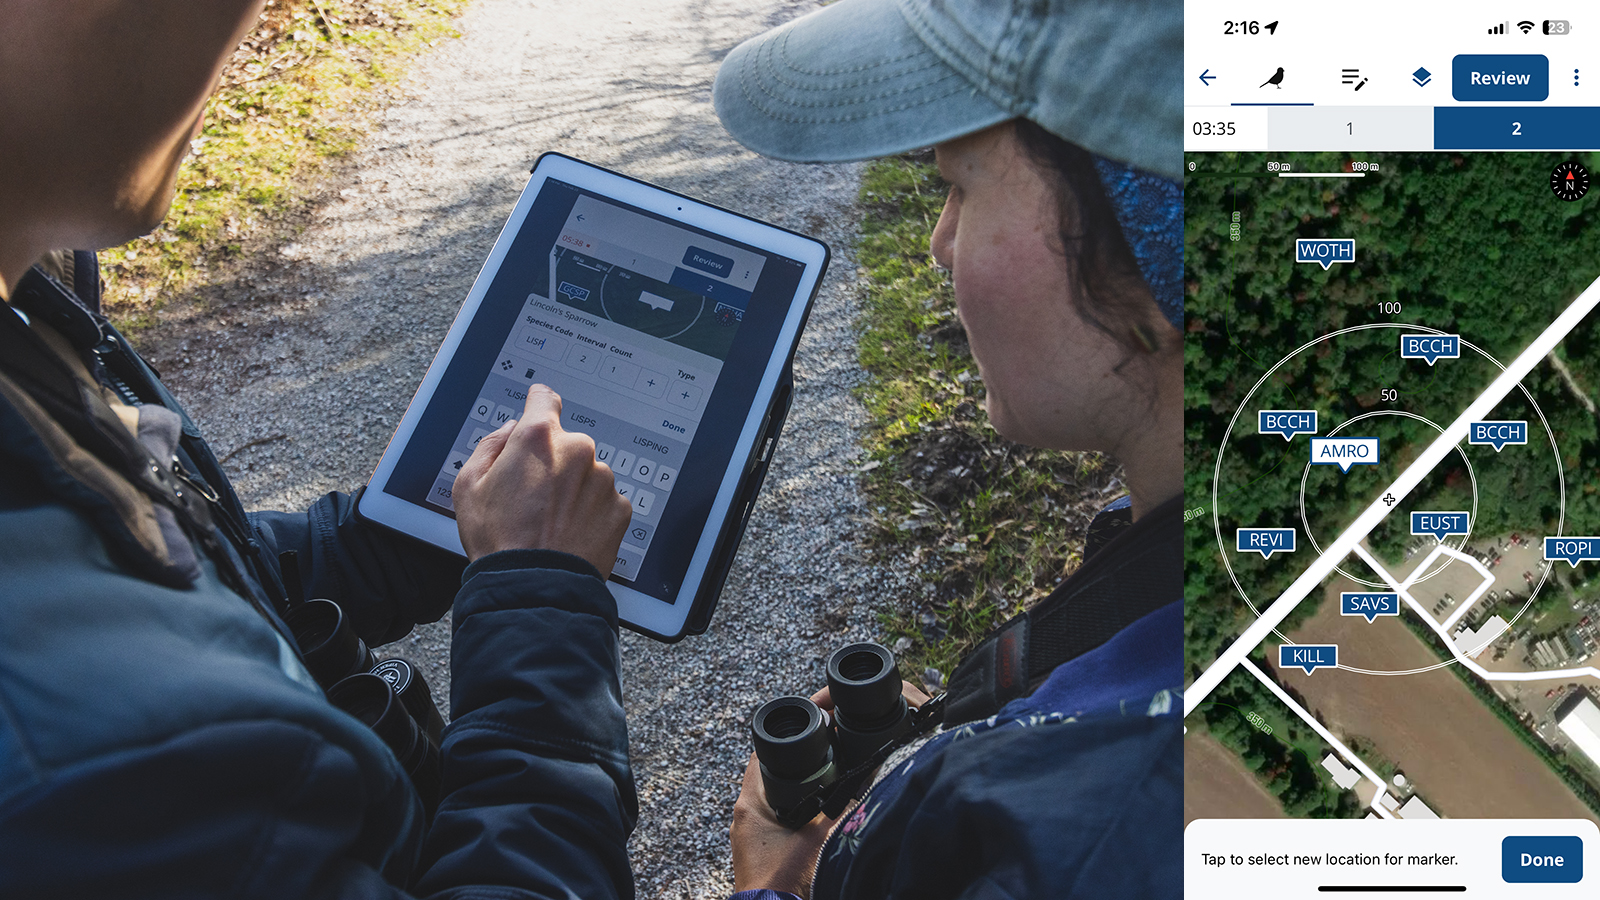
1392, 379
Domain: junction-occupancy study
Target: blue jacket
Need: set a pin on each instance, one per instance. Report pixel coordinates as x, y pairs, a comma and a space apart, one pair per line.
159, 736
1074, 791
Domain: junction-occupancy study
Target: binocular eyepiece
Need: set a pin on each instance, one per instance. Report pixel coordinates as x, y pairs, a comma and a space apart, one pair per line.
390, 697
801, 750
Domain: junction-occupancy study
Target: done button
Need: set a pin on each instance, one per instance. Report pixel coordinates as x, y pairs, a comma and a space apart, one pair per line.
1542, 860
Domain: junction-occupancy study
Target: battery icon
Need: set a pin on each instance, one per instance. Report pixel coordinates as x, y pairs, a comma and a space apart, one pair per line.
1557, 26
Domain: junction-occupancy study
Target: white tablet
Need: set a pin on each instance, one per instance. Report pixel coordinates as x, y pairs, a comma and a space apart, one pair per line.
667, 326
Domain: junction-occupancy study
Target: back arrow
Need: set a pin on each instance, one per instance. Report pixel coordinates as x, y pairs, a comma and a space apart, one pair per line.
1206, 78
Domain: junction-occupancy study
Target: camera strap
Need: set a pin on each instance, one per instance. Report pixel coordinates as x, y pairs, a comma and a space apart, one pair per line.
1137, 572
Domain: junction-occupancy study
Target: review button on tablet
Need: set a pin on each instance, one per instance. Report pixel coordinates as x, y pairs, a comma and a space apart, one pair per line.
1542, 860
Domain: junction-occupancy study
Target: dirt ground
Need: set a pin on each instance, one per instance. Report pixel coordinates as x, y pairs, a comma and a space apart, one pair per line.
1464, 761
1216, 785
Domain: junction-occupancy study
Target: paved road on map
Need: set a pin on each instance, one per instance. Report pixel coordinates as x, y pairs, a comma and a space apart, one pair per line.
303, 369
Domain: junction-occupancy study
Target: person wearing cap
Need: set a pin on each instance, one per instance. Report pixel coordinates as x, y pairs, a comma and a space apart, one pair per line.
1058, 768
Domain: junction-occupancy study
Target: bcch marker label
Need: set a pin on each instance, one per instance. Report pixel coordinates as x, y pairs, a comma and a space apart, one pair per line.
1287, 422
1324, 251
1369, 605
1572, 549
1498, 434
1430, 347
1344, 452
1266, 541
1308, 656
1439, 524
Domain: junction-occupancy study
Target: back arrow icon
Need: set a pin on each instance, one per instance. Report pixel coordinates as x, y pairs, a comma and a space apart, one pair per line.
1206, 78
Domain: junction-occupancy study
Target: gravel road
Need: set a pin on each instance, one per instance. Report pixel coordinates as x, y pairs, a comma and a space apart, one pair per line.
301, 366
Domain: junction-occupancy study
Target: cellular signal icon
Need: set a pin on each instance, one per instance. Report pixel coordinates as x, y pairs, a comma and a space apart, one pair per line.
1499, 29
1525, 25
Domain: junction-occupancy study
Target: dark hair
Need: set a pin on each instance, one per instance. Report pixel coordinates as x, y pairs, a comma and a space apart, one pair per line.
1111, 293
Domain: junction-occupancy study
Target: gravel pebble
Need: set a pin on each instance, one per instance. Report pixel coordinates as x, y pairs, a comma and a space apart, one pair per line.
304, 362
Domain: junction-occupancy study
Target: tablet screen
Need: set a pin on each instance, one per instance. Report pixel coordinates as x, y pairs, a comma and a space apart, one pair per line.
655, 334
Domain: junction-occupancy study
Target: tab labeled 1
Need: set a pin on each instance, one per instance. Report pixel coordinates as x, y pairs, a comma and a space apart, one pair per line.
1308, 656
1344, 452
1430, 347
1439, 524
1572, 549
1287, 422
1498, 434
1369, 605
1266, 541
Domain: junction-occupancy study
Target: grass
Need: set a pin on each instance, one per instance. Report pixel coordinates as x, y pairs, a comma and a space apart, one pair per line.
992, 525
283, 112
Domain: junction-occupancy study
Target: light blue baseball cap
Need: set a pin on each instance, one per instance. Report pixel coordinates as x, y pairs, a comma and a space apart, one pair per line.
866, 78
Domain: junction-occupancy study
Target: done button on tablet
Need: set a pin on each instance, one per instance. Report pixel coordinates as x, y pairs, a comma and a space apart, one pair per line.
1542, 860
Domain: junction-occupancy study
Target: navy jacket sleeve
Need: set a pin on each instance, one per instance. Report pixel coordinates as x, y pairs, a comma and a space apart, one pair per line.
269, 792
385, 581
538, 791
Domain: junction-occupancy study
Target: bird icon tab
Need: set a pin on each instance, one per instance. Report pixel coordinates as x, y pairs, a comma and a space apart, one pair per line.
1276, 80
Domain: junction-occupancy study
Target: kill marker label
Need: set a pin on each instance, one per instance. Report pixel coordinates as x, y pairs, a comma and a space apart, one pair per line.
1498, 434
1439, 524
1324, 251
1287, 422
1308, 656
1266, 541
1572, 549
1369, 605
1430, 347
1344, 452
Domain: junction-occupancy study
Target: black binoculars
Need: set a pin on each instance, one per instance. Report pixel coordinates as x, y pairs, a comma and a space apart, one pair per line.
802, 751
390, 697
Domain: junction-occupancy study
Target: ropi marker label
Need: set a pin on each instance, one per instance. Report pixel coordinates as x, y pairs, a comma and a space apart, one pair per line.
1287, 422
1344, 452
1498, 434
1324, 251
1265, 541
1308, 656
1430, 347
1572, 549
1369, 605
1439, 524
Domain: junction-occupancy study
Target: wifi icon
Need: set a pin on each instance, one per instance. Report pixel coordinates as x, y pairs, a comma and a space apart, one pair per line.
1525, 25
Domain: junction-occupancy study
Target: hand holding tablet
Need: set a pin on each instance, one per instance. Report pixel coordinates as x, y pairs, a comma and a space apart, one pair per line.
667, 326
532, 485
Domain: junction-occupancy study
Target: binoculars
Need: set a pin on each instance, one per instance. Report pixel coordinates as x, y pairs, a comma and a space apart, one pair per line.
390, 697
802, 750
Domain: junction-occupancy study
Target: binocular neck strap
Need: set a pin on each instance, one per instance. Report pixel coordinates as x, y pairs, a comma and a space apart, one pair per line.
1138, 572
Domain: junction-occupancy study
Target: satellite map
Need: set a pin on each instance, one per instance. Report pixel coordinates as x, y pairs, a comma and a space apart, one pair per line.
1393, 540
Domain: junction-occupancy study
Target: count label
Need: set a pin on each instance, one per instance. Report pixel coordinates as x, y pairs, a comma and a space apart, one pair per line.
1287, 422
1572, 549
1344, 452
1369, 605
1308, 656
1265, 541
1439, 524
1430, 347
1498, 434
